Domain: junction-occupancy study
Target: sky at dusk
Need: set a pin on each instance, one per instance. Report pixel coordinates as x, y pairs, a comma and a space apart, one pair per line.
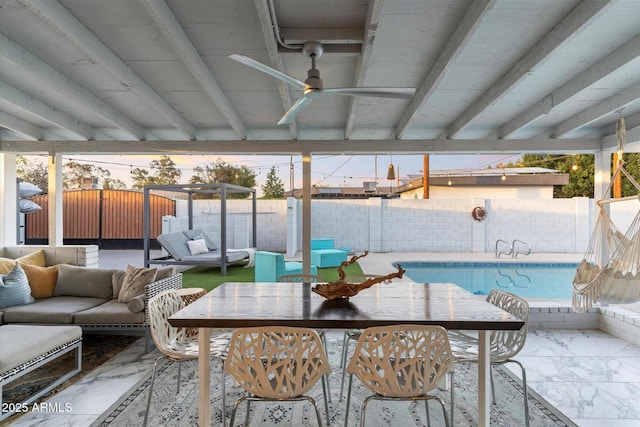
326, 170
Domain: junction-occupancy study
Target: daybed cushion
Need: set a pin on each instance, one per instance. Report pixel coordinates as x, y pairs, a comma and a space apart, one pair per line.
14, 288
51, 310
109, 313
175, 244
214, 257
34, 342
84, 282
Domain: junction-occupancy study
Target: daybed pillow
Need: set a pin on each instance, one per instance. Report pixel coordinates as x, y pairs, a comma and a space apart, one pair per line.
6, 265
199, 234
135, 279
197, 247
34, 258
42, 280
14, 288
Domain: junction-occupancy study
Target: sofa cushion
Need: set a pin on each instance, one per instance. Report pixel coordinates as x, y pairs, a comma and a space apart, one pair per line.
14, 288
42, 280
135, 279
57, 310
136, 305
34, 258
118, 278
6, 265
34, 342
84, 282
109, 313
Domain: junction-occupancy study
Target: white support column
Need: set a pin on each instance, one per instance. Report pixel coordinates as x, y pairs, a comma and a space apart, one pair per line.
9, 200
602, 173
55, 200
306, 213
292, 227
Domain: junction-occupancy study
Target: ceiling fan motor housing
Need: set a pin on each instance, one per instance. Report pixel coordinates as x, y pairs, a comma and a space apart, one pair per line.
312, 49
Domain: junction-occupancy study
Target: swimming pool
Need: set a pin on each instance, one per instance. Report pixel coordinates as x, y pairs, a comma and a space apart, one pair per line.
528, 280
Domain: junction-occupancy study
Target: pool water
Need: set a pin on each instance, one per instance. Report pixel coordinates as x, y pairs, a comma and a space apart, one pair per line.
528, 280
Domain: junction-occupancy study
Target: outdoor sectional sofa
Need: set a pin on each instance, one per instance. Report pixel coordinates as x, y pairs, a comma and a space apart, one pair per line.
90, 298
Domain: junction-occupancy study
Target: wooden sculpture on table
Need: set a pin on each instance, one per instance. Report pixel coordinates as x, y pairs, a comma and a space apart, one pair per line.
342, 289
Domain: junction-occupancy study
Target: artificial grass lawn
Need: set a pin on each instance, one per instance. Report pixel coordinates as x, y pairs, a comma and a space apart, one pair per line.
209, 278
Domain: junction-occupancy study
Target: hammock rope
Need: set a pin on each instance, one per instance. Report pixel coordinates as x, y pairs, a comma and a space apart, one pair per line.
610, 269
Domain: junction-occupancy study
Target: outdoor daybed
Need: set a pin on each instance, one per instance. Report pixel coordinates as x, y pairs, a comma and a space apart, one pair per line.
106, 301
194, 247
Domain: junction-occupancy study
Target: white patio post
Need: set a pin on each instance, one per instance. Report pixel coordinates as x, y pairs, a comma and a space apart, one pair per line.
306, 213
9, 199
55, 200
602, 173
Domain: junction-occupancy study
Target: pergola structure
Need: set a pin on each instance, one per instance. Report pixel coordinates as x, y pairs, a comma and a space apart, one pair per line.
154, 76
221, 191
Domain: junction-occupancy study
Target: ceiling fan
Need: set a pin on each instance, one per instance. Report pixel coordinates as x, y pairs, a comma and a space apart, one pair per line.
312, 86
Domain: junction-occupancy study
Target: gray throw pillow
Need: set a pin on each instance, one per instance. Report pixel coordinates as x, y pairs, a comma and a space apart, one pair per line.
14, 288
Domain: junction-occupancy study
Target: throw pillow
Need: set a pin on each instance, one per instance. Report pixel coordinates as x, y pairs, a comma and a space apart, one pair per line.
34, 258
135, 279
14, 288
42, 280
6, 265
197, 247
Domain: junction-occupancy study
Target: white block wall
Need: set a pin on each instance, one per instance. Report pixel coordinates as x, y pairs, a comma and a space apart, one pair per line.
413, 225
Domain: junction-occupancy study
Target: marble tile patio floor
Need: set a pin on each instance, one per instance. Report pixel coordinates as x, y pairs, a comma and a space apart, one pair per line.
589, 375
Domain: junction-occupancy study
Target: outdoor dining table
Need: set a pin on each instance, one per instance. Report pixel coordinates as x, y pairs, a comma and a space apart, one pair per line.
237, 305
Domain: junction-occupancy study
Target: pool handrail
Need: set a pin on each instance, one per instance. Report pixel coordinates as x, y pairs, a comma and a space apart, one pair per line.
502, 252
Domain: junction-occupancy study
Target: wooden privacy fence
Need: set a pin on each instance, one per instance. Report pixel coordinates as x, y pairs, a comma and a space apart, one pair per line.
109, 218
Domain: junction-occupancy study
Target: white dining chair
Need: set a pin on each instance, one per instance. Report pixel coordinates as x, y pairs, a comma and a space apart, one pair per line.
504, 345
400, 362
275, 363
174, 343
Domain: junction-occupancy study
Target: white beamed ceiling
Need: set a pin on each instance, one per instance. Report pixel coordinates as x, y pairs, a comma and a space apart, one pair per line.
153, 76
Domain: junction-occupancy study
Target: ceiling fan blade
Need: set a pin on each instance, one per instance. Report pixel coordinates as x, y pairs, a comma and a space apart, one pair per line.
379, 92
290, 115
267, 70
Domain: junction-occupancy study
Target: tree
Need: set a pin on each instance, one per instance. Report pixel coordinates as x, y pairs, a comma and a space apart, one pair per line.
74, 173
32, 171
273, 188
164, 171
632, 165
220, 172
581, 169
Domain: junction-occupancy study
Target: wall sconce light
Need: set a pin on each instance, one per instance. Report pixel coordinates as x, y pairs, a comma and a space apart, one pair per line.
449, 182
504, 176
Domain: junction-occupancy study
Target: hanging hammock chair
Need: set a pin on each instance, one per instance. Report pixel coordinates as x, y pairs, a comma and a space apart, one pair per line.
610, 270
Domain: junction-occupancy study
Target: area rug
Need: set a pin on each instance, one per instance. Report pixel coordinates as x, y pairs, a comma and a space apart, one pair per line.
169, 408
96, 349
